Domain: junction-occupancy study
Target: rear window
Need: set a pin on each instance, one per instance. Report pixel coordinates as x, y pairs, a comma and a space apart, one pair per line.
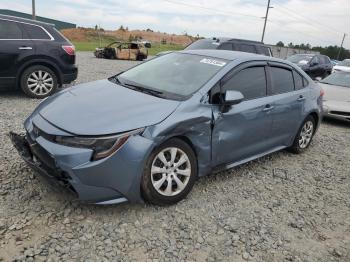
35, 32
282, 80
226, 46
203, 44
10, 30
265, 50
246, 48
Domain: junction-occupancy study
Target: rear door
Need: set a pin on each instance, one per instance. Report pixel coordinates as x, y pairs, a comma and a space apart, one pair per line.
241, 130
123, 52
15, 45
289, 101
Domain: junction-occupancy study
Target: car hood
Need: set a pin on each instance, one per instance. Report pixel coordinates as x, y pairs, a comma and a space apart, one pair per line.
342, 68
336, 93
103, 107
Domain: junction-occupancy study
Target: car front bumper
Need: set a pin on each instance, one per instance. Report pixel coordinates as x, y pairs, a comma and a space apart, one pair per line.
114, 179
336, 111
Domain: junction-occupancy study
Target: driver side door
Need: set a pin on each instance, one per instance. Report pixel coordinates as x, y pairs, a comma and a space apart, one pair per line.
243, 130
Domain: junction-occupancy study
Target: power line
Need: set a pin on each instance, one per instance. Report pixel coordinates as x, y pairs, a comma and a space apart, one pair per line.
212, 9
308, 19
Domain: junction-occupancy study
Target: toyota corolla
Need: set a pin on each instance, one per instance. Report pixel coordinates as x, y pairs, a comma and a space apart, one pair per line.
147, 134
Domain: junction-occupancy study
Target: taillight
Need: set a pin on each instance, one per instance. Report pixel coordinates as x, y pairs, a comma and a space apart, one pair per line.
321, 92
70, 50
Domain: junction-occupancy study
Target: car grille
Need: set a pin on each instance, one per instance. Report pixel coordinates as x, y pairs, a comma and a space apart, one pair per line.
340, 113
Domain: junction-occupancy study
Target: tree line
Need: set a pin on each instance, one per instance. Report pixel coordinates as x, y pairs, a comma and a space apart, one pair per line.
330, 51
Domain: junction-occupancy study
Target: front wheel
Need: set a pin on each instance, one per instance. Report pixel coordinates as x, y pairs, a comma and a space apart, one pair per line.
170, 173
304, 136
38, 81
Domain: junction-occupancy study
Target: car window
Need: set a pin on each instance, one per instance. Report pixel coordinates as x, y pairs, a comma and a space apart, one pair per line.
203, 44
251, 82
315, 60
298, 81
282, 80
226, 46
323, 60
246, 48
327, 59
265, 51
35, 32
10, 30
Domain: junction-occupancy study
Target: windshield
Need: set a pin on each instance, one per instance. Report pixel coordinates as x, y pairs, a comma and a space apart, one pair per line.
203, 44
338, 79
345, 63
176, 73
300, 59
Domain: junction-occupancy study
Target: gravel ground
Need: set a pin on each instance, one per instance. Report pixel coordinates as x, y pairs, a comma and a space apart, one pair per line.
282, 207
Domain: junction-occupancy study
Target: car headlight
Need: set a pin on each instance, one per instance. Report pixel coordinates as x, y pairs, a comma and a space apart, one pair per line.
102, 146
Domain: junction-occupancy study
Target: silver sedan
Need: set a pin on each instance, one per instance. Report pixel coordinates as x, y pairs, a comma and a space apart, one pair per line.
336, 103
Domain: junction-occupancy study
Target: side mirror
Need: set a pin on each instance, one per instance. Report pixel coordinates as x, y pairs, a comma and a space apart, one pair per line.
233, 97
313, 63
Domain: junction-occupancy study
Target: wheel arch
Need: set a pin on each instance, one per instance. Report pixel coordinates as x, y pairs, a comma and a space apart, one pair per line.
36, 62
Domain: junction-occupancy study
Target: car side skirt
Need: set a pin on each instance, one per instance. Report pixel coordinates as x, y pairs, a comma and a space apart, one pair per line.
240, 162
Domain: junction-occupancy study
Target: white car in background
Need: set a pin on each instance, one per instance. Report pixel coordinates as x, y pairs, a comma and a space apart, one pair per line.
343, 66
336, 98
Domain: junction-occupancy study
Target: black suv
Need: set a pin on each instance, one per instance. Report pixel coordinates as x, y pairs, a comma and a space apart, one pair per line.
314, 65
34, 56
231, 44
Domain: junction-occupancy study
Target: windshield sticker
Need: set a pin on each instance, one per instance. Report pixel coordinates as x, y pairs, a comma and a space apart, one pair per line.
212, 62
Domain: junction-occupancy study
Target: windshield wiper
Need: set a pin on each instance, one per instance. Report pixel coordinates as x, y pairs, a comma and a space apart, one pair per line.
145, 90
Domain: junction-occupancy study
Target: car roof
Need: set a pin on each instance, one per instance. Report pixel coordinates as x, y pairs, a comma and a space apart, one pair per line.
230, 39
232, 55
24, 20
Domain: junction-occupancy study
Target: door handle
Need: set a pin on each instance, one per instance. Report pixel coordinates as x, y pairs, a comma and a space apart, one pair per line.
301, 98
25, 48
268, 108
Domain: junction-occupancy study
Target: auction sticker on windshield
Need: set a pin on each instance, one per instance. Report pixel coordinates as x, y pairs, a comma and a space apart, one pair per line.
212, 62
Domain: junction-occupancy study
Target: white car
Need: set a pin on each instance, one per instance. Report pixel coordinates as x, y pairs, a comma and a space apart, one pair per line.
343, 66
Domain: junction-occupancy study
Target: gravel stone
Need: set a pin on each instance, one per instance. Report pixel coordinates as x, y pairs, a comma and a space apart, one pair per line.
280, 207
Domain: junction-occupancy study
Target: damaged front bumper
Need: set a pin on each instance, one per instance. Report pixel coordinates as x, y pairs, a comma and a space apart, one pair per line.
45, 164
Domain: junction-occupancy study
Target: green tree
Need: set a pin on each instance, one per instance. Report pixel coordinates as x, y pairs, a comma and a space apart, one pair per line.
280, 43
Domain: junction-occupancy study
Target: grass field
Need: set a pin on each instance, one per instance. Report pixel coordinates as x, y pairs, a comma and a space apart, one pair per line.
156, 47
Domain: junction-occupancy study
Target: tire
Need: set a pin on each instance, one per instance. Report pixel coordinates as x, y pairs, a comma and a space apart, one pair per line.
156, 175
38, 81
304, 136
140, 57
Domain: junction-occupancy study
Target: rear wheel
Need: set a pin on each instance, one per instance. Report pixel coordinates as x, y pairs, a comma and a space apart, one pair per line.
170, 173
38, 81
304, 136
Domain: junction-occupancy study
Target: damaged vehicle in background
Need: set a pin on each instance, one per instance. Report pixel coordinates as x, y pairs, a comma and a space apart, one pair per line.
336, 100
316, 66
147, 134
123, 51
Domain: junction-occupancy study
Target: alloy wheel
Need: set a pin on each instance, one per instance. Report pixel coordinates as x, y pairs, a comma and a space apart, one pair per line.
170, 171
306, 134
40, 82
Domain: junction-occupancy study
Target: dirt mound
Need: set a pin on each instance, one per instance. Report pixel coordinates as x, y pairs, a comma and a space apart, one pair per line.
86, 34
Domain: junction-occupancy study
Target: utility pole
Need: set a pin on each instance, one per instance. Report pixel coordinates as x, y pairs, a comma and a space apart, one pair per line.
33, 9
267, 14
341, 47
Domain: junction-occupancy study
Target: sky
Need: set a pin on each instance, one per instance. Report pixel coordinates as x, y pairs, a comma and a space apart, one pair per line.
318, 22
